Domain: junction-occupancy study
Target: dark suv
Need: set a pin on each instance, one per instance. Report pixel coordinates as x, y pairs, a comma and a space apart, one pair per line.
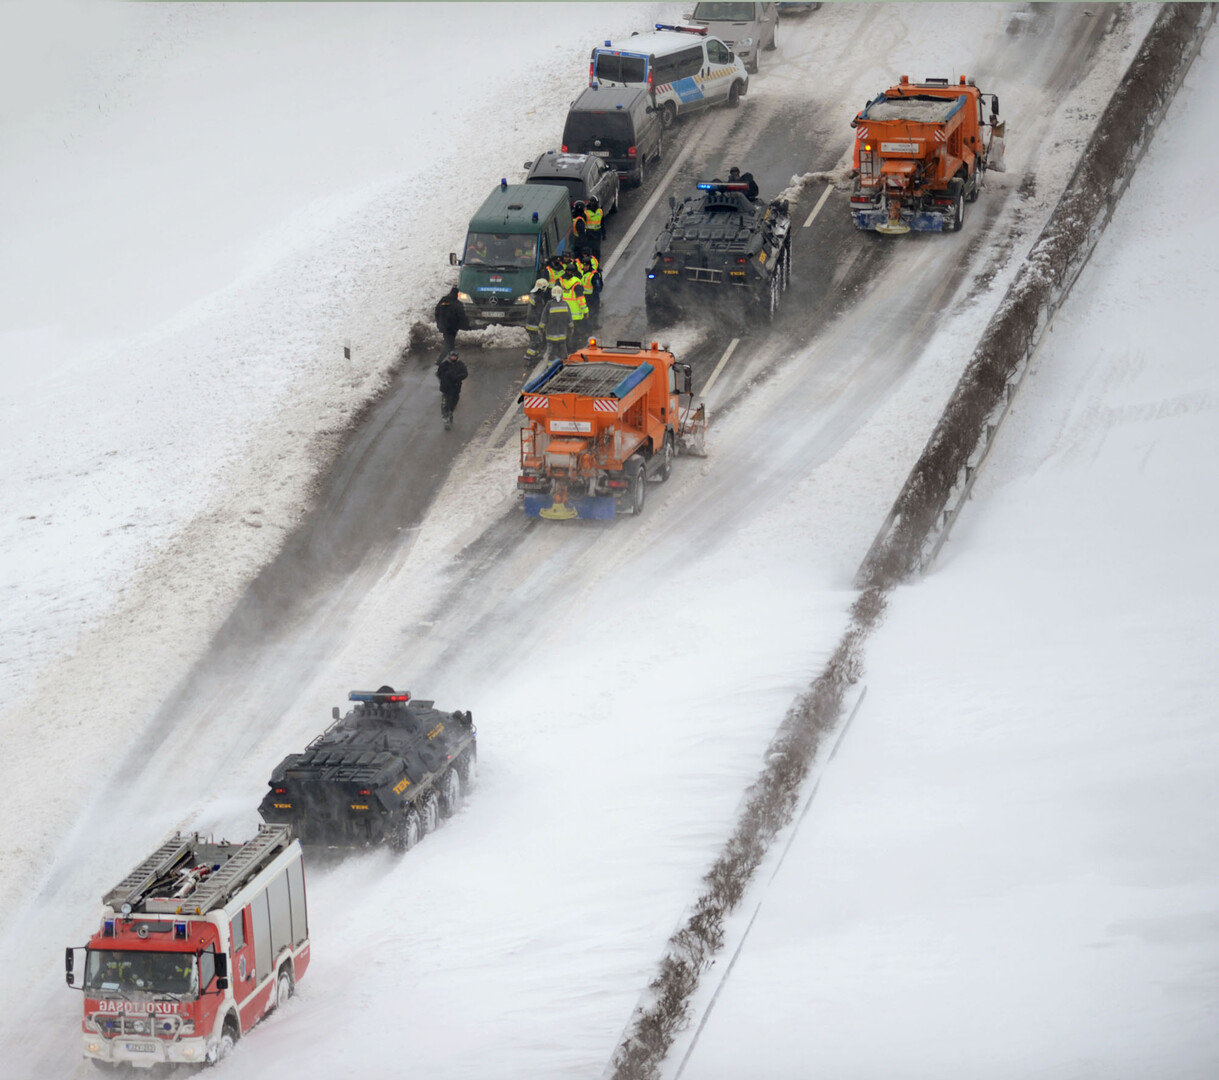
582, 174
617, 125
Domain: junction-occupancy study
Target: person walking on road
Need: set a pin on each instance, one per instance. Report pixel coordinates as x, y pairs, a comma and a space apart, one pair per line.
452, 373
450, 317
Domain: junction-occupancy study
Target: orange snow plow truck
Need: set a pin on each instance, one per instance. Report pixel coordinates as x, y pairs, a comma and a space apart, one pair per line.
602, 423
921, 150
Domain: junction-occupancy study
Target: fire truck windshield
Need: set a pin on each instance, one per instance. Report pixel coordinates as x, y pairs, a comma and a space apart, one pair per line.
111, 971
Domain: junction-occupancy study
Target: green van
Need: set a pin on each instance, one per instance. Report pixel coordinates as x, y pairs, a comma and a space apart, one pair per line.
514, 233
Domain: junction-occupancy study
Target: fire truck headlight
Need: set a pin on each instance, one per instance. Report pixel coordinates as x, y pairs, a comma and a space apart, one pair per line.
464, 298
94, 1048
188, 1051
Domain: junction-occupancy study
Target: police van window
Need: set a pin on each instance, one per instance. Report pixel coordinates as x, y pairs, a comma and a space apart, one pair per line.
717, 52
621, 69
583, 127
678, 65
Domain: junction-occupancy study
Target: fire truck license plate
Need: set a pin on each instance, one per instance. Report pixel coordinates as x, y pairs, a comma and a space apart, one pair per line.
493, 314
141, 1048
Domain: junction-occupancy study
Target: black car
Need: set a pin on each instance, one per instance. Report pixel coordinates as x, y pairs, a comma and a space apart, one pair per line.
582, 174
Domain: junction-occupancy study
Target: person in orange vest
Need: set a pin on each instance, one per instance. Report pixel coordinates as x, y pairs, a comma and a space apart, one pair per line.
573, 294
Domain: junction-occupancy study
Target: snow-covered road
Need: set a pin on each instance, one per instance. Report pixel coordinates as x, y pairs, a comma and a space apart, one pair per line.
625, 680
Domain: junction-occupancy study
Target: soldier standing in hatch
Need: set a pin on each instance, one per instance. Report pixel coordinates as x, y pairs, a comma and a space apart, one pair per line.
452, 373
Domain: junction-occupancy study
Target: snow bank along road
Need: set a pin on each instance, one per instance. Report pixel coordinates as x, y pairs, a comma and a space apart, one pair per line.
626, 679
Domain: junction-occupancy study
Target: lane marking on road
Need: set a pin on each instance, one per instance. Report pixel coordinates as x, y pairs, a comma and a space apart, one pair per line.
719, 367
820, 203
648, 206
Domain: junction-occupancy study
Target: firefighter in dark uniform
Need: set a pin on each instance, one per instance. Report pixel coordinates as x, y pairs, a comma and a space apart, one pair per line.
452, 373
533, 318
556, 325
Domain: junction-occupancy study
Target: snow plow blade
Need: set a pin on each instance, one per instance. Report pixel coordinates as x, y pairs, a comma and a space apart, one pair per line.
692, 438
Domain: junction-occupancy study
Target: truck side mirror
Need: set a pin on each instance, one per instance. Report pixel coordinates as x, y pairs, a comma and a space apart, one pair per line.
689, 374
69, 963
994, 109
222, 971
528, 164
453, 260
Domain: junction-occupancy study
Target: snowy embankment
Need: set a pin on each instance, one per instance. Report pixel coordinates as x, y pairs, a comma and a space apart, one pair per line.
214, 199
1007, 868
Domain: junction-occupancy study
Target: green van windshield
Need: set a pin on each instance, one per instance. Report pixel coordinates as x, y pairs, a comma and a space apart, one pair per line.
502, 251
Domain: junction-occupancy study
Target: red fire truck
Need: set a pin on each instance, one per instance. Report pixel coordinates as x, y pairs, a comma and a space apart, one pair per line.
197, 944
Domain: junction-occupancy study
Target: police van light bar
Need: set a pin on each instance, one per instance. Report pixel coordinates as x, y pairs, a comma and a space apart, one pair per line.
723, 187
700, 30
379, 698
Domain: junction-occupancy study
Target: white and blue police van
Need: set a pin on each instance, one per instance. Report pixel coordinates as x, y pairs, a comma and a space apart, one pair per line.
683, 68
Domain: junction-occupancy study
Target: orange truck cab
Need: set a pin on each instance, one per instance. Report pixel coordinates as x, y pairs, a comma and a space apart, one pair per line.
921, 151
601, 424
196, 945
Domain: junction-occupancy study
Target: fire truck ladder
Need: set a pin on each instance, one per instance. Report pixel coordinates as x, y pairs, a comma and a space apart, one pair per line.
180, 850
251, 857
161, 862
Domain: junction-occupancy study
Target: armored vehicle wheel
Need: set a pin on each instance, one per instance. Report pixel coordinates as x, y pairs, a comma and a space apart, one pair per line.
734, 95
668, 115
450, 792
639, 483
666, 458
405, 833
467, 768
429, 812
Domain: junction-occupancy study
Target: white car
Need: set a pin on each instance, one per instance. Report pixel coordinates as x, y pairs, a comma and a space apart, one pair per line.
746, 29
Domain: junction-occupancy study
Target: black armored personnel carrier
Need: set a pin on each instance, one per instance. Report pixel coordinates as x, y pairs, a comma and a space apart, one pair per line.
720, 251
387, 772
